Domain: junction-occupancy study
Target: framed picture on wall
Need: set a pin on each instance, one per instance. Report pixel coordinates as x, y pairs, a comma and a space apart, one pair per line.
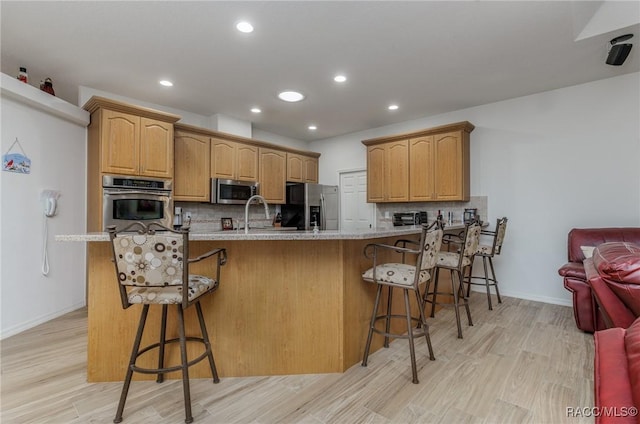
227, 223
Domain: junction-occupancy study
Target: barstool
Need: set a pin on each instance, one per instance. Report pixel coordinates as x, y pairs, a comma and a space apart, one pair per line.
486, 252
152, 267
456, 262
408, 278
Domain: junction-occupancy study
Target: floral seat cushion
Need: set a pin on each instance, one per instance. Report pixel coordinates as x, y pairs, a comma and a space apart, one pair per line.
198, 285
484, 250
397, 274
450, 260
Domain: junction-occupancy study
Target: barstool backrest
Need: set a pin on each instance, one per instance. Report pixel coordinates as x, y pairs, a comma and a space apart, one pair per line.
501, 229
430, 243
471, 240
150, 256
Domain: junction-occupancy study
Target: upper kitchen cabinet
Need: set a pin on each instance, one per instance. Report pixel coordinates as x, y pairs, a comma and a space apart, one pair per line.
132, 140
388, 172
192, 164
436, 163
233, 160
273, 175
302, 168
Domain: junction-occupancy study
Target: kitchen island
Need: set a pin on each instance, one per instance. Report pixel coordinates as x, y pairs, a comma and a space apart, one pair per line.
289, 302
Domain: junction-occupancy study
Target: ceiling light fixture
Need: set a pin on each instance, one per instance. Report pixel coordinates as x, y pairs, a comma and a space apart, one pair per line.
245, 27
166, 83
393, 107
312, 127
339, 78
256, 110
290, 96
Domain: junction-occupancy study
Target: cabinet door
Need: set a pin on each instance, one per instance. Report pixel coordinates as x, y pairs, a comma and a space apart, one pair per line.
397, 171
421, 169
375, 173
295, 168
192, 174
273, 174
156, 148
246, 162
449, 166
223, 159
120, 143
310, 166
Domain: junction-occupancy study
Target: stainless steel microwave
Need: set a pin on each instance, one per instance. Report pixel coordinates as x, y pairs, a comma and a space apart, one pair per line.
232, 192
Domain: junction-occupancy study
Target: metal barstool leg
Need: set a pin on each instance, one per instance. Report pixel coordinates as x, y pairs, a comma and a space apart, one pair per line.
185, 366
132, 361
388, 321
371, 325
470, 278
207, 343
456, 296
433, 294
425, 326
465, 300
412, 349
163, 338
495, 280
486, 282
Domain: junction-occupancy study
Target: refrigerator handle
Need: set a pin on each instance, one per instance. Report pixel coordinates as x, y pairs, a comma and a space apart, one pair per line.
323, 217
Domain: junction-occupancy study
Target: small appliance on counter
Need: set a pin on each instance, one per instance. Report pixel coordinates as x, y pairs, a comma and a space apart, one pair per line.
470, 215
409, 218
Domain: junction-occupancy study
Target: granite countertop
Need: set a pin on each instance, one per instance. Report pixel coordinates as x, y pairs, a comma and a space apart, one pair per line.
274, 234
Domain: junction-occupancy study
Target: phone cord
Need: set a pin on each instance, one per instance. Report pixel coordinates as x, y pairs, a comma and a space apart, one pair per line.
45, 255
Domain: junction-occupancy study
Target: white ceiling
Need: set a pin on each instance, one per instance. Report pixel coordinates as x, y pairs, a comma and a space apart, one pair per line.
428, 57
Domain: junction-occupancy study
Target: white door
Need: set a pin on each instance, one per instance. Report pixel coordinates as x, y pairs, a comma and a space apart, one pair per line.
355, 212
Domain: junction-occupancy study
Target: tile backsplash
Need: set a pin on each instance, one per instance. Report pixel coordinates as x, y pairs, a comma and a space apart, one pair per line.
384, 211
207, 217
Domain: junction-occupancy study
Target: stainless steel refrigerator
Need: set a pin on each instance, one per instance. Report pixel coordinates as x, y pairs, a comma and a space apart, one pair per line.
309, 205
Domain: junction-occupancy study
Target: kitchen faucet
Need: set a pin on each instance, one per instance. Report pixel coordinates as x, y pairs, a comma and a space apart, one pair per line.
246, 210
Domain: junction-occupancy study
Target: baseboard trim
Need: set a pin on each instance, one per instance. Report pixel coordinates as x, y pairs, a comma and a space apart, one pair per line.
528, 296
12, 331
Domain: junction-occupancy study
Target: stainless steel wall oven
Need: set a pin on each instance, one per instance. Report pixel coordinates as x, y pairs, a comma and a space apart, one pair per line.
130, 199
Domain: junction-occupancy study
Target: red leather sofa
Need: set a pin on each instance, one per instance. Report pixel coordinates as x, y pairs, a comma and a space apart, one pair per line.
617, 375
613, 273
585, 310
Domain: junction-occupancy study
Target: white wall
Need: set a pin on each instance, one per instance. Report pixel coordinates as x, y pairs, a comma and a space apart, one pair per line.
57, 149
549, 162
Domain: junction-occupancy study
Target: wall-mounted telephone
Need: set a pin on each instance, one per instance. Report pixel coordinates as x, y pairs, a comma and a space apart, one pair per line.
50, 202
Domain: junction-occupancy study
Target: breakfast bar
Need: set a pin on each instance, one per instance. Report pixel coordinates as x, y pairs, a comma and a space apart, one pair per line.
289, 302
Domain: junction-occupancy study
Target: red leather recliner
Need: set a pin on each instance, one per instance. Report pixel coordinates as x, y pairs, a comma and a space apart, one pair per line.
585, 310
617, 375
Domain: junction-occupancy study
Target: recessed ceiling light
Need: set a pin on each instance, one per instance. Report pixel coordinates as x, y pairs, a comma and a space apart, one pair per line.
339, 78
244, 26
256, 110
393, 107
312, 127
166, 83
290, 96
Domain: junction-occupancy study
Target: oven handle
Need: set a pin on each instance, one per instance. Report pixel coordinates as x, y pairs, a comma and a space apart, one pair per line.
137, 192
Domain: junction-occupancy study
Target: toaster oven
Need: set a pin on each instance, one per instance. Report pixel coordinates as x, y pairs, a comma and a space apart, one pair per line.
409, 218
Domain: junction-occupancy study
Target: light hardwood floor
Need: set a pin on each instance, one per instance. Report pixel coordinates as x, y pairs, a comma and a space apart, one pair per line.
523, 362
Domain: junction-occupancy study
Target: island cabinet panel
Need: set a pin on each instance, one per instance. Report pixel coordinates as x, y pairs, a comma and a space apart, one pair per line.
282, 307
301, 168
388, 172
192, 167
233, 161
273, 175
434, 165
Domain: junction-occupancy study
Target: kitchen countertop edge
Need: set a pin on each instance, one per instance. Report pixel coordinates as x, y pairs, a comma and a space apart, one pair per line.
274, 234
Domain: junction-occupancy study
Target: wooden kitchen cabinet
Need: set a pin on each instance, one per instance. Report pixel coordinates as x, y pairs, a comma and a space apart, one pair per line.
302, 168
273, 175
233, 161
388, 172
436, 165
130, 140
192, 158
